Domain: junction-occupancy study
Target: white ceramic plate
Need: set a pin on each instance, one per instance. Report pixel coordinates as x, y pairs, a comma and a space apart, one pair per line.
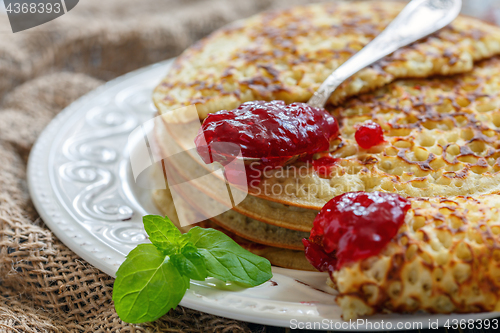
80, 182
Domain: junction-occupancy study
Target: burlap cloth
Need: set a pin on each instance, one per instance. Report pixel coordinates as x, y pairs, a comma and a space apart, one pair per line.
44, 286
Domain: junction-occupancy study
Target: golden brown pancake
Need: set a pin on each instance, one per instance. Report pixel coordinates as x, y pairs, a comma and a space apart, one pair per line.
241, 225
445, 258
287, 258
287, 54
442, 139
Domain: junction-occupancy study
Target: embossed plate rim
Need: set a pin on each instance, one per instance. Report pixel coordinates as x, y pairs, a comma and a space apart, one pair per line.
269, 309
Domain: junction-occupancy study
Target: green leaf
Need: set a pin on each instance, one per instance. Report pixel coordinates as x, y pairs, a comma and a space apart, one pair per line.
190, 263
154, 277
147, 285
227, 261
163, 233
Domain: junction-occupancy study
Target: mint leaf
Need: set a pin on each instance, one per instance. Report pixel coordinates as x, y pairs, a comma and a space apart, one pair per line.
190, 263
154, 277
147, 285
163, 233
226, 260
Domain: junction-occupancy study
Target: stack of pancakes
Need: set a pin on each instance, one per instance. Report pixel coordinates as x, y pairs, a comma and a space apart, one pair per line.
438, 102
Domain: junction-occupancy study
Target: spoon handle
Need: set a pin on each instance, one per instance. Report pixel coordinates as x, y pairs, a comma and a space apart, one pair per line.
417, 20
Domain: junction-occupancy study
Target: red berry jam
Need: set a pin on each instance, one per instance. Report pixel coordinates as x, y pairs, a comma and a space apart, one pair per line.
322, 261
324, 165
354, 226
369, 134
271, 131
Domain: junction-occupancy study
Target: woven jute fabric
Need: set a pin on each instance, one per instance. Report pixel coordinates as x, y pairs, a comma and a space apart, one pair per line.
44, 286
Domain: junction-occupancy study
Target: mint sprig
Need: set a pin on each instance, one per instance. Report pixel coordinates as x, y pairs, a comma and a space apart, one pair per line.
154, 277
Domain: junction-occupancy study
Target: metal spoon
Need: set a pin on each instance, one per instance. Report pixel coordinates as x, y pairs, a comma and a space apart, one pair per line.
417, 20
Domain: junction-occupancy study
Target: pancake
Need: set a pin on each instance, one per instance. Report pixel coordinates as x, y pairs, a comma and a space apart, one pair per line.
277, 256
241, 225
445, 258
442, 139
441, 133
287, 54
259, 232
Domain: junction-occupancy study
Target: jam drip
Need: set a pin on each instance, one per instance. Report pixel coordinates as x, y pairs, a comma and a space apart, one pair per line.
354, 226
324, 165
369, 135
272, 131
